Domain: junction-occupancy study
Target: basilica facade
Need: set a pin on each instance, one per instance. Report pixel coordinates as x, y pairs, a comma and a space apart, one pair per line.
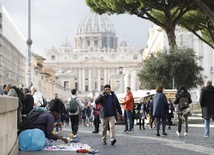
95, 59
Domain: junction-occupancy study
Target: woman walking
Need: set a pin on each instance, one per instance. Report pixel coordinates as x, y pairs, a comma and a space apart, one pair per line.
160, 107
182, 96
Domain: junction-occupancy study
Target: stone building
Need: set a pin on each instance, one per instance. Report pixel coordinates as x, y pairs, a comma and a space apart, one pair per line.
13, 51
95, 60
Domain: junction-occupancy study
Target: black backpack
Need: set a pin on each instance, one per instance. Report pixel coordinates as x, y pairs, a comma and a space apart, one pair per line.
184, 103
27, 121
44, 102
20, 94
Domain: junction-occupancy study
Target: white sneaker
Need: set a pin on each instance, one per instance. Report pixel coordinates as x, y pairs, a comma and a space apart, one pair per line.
74, 136
185, 134
130, 131
178, 133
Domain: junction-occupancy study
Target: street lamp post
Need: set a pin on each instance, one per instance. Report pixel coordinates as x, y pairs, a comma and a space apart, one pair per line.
29, 43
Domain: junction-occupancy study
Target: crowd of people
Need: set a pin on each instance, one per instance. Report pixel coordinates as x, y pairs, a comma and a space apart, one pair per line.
106, 108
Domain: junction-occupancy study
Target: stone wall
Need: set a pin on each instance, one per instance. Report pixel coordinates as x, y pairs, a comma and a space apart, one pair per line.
8, 120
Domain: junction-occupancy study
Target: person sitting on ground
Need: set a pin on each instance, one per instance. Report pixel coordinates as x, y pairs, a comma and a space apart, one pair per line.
45, 122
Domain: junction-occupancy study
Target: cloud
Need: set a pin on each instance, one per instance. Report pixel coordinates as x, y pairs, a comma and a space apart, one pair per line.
53, 20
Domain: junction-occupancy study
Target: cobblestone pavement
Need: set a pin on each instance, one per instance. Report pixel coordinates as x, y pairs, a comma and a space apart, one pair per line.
142, 142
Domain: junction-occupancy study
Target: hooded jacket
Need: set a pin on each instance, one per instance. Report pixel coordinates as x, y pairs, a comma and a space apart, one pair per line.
180, 94
207, 102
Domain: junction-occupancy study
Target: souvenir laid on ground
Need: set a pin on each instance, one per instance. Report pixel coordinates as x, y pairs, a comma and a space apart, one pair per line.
73, 145
67, 147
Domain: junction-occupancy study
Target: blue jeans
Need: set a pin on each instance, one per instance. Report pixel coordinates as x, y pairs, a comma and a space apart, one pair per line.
128, 119
207, 127
58, 124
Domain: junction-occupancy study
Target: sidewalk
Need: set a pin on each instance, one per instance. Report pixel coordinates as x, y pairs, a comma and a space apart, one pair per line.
143, 142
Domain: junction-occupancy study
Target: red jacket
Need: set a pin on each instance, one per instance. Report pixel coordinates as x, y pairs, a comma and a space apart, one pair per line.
128, 101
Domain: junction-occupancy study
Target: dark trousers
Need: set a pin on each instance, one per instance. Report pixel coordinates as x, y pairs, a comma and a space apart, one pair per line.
74, 123
160, 120
96, 123
169, 121
142, 122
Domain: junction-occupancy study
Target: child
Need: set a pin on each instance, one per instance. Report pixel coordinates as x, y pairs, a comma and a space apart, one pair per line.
170, 113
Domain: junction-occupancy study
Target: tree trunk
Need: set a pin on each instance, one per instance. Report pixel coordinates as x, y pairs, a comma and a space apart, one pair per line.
170, 31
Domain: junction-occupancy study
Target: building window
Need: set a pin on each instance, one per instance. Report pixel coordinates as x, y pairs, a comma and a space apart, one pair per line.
135, 57
53, 57
66, 83
88, 43
101, 88
86, 88
95, 85
96, 43
76, 86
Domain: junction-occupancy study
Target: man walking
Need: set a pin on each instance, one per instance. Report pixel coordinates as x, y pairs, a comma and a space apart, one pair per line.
128, 107
56, 102
108, 113
74, 115
207, 106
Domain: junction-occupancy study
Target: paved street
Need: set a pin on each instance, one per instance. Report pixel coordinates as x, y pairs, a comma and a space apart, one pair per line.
143, 142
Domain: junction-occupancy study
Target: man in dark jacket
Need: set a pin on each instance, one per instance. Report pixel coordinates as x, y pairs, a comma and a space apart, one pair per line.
108, 113
207, 106
56, 102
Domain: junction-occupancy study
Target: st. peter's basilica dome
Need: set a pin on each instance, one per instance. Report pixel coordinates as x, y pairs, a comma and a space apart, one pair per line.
94, 23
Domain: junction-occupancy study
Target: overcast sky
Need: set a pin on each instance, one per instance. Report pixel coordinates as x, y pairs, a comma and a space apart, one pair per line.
53, 20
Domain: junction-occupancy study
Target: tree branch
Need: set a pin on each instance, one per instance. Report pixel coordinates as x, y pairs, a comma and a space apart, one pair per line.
201, 38
205, 9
